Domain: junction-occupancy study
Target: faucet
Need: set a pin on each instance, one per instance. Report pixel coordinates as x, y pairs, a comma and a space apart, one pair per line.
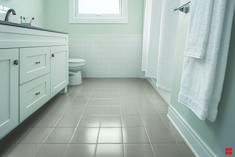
8, 13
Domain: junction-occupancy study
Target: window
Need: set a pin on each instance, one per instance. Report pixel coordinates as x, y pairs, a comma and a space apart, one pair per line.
98, 11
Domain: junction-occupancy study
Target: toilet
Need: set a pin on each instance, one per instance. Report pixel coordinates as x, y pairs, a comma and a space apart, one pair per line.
75, 67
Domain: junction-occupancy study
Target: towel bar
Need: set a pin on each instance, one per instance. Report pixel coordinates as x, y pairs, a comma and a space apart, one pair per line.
184, 8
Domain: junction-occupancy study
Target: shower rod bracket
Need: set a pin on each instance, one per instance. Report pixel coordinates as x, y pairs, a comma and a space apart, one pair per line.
185, 8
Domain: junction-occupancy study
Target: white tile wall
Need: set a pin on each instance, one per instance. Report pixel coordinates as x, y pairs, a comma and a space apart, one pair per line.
108, 55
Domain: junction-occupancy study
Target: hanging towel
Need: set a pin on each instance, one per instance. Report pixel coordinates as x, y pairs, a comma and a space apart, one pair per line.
198, 33
202, 79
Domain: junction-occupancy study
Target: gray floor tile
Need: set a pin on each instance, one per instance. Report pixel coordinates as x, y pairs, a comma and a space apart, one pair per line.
74, 110
80, 150
167, 150
89, 121
138, 150
51, 150
132, 121
24, 150
176, 135
147, 109
60, 135
161, 109
5, 148
135, 135
104, 101
68, 122
95, 120
79, 101
186, 150
160, 135
153, 120
47, 121
109, 150
85, 135
166, 120
110, 121
110, 135
129, 110
103, 110
36, 135
15, 136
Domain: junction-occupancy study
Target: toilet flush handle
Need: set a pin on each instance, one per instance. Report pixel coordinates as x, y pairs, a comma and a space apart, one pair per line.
53, 55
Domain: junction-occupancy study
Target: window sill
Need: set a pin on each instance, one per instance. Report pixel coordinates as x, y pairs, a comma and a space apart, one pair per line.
104, 20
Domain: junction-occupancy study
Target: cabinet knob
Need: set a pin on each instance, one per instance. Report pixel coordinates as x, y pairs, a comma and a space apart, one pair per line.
16, 62
37, 93
53, 55
37, 62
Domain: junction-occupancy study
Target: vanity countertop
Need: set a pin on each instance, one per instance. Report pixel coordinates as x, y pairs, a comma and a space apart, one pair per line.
27, 26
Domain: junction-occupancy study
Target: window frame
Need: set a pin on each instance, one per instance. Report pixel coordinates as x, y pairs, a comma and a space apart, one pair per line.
74, 17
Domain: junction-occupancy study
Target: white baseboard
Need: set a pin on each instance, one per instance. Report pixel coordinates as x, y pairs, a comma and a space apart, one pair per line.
196, 144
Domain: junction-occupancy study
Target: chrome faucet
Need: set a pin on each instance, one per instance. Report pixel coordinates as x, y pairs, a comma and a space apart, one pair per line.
8, 13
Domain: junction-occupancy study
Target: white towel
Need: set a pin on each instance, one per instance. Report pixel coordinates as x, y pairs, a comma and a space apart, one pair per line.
198, 32
202, 79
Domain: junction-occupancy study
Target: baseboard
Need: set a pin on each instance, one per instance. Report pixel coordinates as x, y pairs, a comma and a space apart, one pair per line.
196, 144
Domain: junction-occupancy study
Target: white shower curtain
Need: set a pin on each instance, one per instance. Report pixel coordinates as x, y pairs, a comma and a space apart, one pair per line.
158, 41
146, 34
151, 37
169, 23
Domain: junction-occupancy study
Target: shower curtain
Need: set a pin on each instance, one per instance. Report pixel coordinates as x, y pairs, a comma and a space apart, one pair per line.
160, 25
151, 37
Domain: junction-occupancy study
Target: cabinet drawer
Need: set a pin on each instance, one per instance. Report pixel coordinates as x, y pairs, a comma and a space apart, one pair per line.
33, 95
34, 62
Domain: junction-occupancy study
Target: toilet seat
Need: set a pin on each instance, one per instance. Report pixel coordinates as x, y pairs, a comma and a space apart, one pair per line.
76, 62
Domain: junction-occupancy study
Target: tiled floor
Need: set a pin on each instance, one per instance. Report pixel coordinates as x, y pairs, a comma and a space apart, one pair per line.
102, 118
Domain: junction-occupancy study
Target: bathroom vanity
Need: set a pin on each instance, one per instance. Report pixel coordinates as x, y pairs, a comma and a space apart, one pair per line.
33, 69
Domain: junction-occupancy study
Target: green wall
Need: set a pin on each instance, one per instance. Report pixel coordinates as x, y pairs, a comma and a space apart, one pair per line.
57, 13
221, 133
27, 8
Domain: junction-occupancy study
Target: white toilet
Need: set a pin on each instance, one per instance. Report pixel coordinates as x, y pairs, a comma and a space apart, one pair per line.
75, 67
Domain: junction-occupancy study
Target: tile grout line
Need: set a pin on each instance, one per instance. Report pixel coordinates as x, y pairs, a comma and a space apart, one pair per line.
151, 145
17, 142
97, 140
27, 132
123, 146
52, 128
66, 150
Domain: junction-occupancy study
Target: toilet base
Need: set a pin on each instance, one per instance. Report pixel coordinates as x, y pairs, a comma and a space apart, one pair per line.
75, 78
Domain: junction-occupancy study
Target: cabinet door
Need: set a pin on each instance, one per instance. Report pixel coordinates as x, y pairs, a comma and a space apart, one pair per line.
8, 90
59, 69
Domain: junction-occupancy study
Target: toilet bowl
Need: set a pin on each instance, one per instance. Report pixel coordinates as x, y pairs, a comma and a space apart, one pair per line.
75, 67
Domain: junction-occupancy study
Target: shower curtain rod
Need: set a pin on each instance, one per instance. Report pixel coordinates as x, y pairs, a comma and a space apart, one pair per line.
184, 8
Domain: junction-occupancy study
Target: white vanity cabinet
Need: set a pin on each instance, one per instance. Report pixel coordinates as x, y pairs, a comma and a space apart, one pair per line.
8, 90
33, 68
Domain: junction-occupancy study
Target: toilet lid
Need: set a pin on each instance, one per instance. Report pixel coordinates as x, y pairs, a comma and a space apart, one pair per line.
75, 60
